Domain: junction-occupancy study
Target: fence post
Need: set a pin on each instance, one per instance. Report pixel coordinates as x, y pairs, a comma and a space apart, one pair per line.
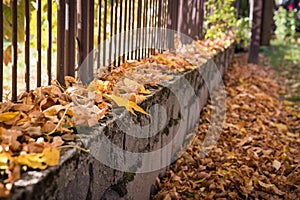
39, 43
70, 31
49, 46
15, 48
172, 21
1, 50
27, 45
60, 72
85, 72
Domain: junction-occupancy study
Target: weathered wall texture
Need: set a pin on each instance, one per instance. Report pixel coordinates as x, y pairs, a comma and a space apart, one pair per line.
80, 176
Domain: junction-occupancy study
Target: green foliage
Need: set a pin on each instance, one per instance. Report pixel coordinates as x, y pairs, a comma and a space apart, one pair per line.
221, 20
243, 31
285, 25
7, 20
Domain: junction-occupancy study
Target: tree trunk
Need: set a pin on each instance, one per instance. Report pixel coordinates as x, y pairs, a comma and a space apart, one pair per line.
255, 31
266, 26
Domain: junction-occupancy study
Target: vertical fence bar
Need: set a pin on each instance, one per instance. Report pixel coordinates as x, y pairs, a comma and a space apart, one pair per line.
91, 37
145, 26
60, 40
115, 32
154, 24
110, 33
70, 37
138, 41
39, 43
83, 40
150, 25
159, 25
125, 33
104, 31
1, 50
27, 45
15, 48
171, 23
120, 29
99, 34
49, 46
164, 24
201, 18
142, 29
132, 27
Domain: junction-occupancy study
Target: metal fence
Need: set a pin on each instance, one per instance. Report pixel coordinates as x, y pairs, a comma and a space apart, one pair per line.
66, 31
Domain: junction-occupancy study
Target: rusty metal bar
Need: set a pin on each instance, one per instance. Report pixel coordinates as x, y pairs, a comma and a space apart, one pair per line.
142, 29
138, 41
150, 25
83, 41
148, 18
111, 30
120, 30
132, 28
1, 50
104, 31
15, 48
70, 31
159, 24
125, 33
91, 35
201, 18
154, 14
99, 34
27, 45
115, 32
49, 46
39, 43
164, 18
145, 35
60, 72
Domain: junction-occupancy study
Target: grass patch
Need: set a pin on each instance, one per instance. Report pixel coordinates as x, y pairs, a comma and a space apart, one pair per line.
284, 58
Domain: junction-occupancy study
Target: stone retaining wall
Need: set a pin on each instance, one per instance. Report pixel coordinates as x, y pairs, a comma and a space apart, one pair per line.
80, 176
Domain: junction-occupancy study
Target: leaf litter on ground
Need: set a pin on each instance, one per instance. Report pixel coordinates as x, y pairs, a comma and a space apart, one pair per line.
258, 153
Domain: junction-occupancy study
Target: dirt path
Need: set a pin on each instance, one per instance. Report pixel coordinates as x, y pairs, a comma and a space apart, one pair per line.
258, 152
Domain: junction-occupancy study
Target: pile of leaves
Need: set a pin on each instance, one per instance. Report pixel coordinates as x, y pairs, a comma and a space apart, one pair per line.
257, 155
43, 121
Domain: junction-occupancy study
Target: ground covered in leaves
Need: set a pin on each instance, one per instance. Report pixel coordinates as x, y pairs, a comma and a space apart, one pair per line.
257, 155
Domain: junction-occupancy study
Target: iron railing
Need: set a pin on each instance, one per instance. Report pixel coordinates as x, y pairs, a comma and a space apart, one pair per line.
66, 31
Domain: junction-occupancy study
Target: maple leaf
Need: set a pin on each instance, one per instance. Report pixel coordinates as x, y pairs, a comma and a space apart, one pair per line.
49, 157
129, 105
7, 116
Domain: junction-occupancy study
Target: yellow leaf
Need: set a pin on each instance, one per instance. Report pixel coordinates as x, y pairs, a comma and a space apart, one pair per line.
129, 105
51, 156
130, 83
33, 160
7, 116
4, 157
99, 86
